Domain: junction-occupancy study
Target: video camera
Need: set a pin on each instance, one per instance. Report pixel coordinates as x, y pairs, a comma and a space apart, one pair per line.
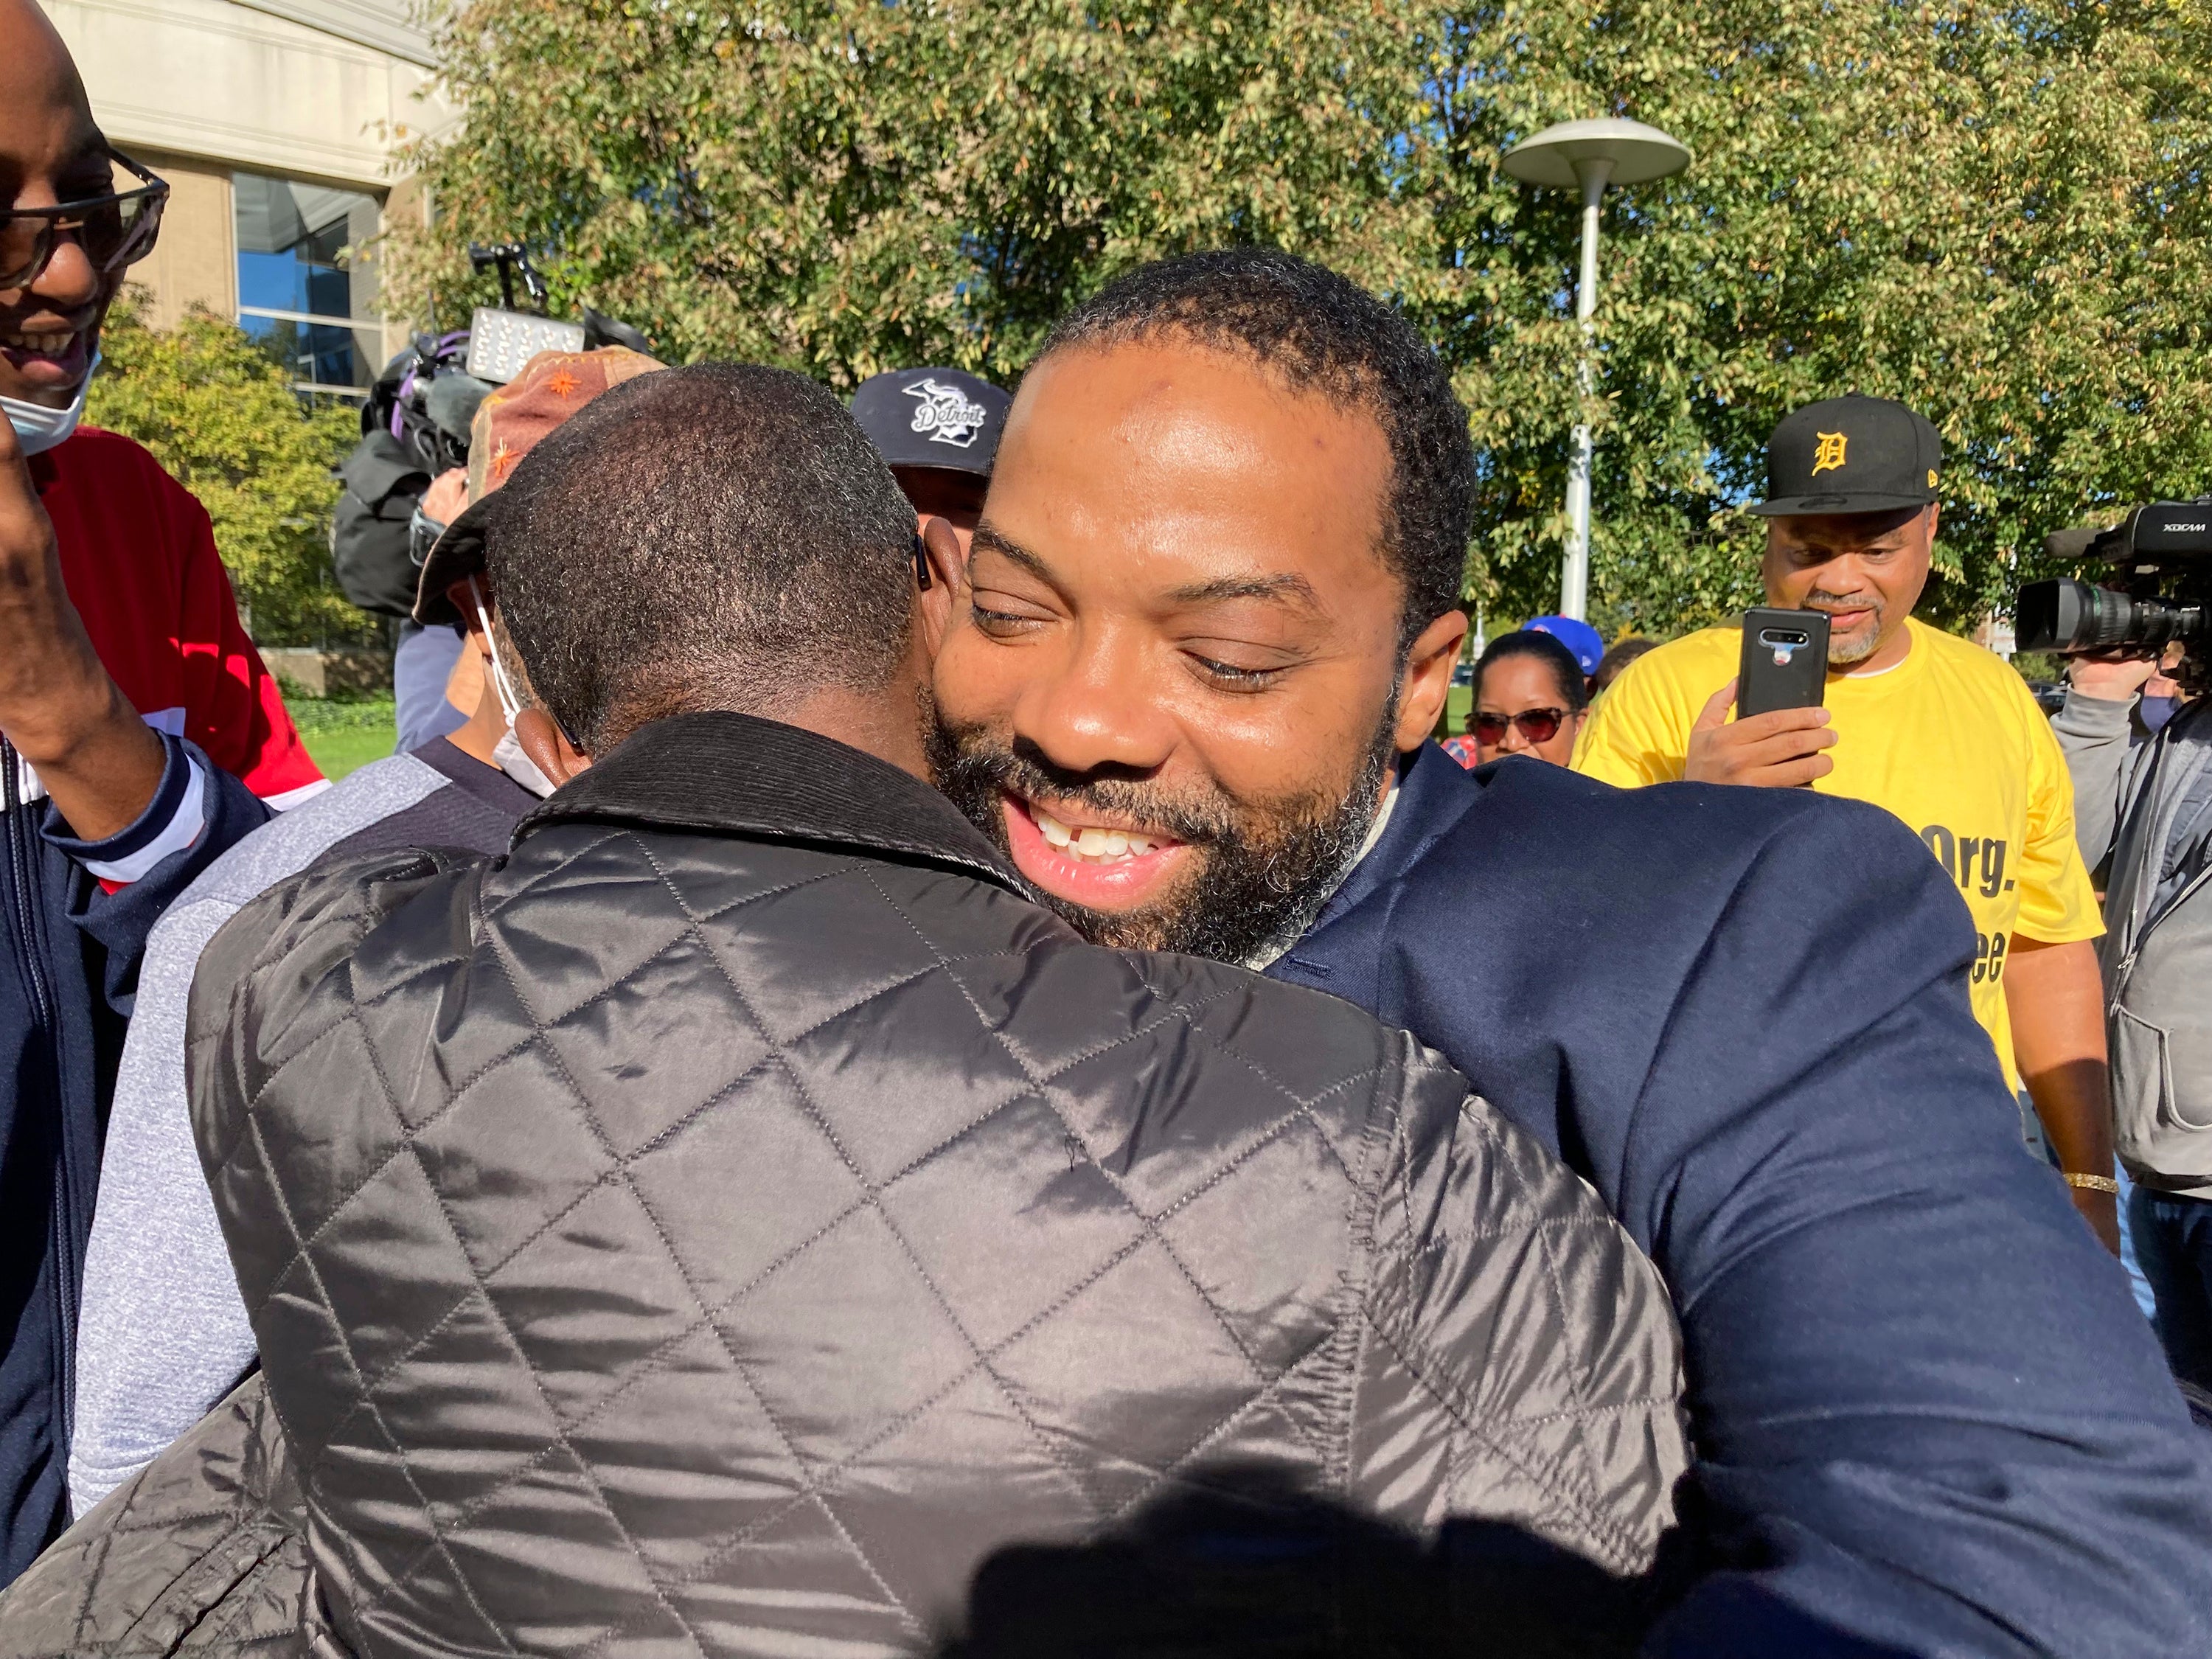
2161, 555
502, 339
416, 421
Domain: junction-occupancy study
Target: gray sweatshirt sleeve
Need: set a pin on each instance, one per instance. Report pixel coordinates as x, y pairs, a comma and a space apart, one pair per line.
162, 1334
2093, 735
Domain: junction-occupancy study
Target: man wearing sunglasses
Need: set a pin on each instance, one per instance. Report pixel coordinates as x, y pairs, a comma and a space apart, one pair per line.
140, 734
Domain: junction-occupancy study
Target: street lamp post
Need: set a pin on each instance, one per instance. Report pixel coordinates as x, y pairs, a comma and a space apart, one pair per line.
1589, 155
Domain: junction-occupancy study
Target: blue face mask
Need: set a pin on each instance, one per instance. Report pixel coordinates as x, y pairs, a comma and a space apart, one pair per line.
2155, 712
38, 428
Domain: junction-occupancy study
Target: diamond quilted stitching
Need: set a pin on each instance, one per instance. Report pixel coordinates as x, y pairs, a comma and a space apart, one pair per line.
383, 1521
385, 1278
1248, 1238
866, 1055
1524, 1335
590, 1299
1009, 1219
639, 1056
966, 918
864, 1256
1217, 1110
798, 1572
455, 1408
326, 1156
706, 883
503, 1549
301, 1344
953, 1486
1069, 993
686, 1455
823, 1379
1166, 1027
822, 1478
686, 1185
1326, 1045
1094, 1370
564, 941
499, 1201
787, 999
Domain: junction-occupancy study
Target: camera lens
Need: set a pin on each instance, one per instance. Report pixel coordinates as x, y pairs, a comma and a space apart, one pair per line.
2073, 617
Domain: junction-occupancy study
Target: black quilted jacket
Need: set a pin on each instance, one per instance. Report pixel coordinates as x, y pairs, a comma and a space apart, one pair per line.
727, 1224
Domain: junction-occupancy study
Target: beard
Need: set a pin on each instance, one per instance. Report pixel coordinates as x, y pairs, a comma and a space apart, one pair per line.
1260, 870
1842, 655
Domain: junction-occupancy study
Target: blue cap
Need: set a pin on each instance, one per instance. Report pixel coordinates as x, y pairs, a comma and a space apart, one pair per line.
1584, 643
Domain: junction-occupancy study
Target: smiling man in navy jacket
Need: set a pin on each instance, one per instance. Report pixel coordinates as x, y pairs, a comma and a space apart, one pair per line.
1213, 619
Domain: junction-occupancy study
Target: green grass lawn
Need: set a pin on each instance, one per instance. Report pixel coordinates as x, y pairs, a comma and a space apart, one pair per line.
341, 736
1458, 705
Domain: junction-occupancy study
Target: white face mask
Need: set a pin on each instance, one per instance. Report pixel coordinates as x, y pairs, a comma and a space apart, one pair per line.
508, 752
38, 428
518, 766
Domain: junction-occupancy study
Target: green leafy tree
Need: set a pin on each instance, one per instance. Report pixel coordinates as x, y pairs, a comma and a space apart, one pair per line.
1997, 213
219, 414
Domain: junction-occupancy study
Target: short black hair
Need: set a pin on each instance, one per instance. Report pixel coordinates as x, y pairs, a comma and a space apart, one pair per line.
1319, 331
722, 536
1612, 665
1574, 689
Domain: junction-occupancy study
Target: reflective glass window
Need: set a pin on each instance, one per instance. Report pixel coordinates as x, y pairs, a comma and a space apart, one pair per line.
306, 286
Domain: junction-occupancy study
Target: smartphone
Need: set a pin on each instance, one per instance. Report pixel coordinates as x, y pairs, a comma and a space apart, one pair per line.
1785, 661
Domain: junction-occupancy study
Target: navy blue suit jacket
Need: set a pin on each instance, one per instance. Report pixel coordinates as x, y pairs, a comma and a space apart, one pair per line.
68, 972
1929, 1418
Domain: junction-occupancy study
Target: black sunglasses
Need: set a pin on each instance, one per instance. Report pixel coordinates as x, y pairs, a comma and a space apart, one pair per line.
114, 230
1537, 725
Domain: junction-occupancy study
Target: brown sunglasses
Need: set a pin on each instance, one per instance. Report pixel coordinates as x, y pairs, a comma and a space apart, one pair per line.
1537, 725
114, 230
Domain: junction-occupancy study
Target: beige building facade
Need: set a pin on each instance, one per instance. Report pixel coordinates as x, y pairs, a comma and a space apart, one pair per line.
275, 123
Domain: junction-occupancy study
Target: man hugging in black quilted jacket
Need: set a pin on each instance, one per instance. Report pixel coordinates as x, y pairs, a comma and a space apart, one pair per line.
741, 1221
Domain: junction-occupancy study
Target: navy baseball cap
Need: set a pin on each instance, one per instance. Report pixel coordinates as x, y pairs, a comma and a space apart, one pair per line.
937, 417
1584, 643
1852, 454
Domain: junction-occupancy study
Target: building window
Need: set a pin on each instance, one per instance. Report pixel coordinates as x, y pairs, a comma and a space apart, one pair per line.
306, 289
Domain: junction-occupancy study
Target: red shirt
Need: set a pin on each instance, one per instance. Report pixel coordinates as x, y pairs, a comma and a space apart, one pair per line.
138, 557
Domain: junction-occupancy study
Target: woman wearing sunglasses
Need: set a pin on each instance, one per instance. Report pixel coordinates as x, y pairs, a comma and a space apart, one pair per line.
1530, 699
140, 734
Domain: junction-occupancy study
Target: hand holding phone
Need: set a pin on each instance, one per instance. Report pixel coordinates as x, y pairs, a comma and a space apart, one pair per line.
1784, 663
1780, 732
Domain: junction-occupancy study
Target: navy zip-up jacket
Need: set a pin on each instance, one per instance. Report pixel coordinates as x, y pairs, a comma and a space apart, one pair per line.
1929, 1419
68, 966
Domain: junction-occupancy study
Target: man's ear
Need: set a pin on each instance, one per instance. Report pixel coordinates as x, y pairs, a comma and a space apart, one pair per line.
1425, 681
548, 750
463, 596
948, 574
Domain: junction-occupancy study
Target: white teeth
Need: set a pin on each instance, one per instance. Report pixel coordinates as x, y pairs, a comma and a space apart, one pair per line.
49, 344
1090, 844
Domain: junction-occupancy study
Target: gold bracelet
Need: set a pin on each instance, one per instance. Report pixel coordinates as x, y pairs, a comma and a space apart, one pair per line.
2093, 1184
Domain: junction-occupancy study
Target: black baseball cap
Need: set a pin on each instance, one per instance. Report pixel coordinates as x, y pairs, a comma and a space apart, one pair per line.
1850, 454
937, 417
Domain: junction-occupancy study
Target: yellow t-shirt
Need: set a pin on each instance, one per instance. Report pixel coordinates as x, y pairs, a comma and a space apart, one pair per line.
1950, 740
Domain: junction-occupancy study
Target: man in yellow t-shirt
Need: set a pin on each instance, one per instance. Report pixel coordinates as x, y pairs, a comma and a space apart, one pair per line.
1935, 730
